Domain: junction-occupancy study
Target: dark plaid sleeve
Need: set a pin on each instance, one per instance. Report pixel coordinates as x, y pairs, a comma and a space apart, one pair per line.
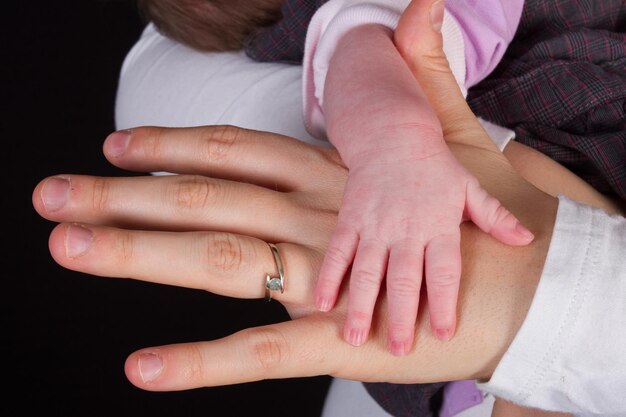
561, 87
407, 400
284, 41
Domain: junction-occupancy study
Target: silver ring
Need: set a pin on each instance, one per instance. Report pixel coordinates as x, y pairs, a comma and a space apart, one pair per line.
275, 283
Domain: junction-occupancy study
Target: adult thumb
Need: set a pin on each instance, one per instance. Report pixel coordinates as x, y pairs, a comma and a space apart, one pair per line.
419, 40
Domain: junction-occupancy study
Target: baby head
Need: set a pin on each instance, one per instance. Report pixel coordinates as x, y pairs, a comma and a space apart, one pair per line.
210, 25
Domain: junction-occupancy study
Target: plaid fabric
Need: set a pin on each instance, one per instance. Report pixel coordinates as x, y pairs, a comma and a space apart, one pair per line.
562, 87
284, 41
407, 400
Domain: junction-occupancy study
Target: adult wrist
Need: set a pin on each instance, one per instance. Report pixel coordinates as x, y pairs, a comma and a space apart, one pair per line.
509, 273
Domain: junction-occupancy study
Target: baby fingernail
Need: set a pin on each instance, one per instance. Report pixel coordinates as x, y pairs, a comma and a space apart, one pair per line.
436, 14
118, 142
398, 348
356, 337
443, 334
322, 304
523, 231
54, 193
77, 241
150, 366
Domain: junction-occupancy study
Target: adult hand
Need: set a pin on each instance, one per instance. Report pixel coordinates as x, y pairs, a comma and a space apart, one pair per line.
201, 229
419, 41
204, 232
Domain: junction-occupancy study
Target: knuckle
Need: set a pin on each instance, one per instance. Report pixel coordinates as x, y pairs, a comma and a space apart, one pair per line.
431, 60
401, 327
267, 348
192, 192
194, 369
435, 61
224, 253
404, 286
124, 246
100, 194
442, 222
151, 140
324, 221
498, 215
442, 311
218, 142
366, 280
358, 318
444, 279
336, 255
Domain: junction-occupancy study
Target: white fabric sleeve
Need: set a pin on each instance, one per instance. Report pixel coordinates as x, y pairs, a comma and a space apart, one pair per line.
336, 18
164, 83
570, 353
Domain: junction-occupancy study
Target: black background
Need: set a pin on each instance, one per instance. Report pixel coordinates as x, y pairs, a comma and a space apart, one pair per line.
65, 334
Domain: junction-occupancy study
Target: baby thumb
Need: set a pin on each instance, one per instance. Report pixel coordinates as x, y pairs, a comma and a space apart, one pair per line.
492, 217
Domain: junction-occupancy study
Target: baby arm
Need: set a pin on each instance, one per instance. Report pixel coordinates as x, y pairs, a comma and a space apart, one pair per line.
405, 197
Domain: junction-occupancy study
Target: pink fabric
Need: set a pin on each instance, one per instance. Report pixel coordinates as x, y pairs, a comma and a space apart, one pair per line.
458, 396
488, 26
476, 34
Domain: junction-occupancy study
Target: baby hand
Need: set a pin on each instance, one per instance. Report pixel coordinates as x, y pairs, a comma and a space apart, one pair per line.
400, 218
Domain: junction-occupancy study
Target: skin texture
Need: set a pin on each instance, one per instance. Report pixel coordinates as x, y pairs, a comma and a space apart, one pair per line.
428, 64
207, 223
206, 220
200, 230
405, 197
502, 408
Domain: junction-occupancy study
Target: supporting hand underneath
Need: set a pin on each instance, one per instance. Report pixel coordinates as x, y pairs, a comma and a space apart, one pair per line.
406, 193
204, 232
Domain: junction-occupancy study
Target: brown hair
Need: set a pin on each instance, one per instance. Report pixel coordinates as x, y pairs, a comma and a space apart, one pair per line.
210, 25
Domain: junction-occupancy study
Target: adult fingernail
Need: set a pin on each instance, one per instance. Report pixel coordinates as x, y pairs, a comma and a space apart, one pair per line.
54, 193
77, 240
443, 334
117, 143
436, 14
524, 232
150, 366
